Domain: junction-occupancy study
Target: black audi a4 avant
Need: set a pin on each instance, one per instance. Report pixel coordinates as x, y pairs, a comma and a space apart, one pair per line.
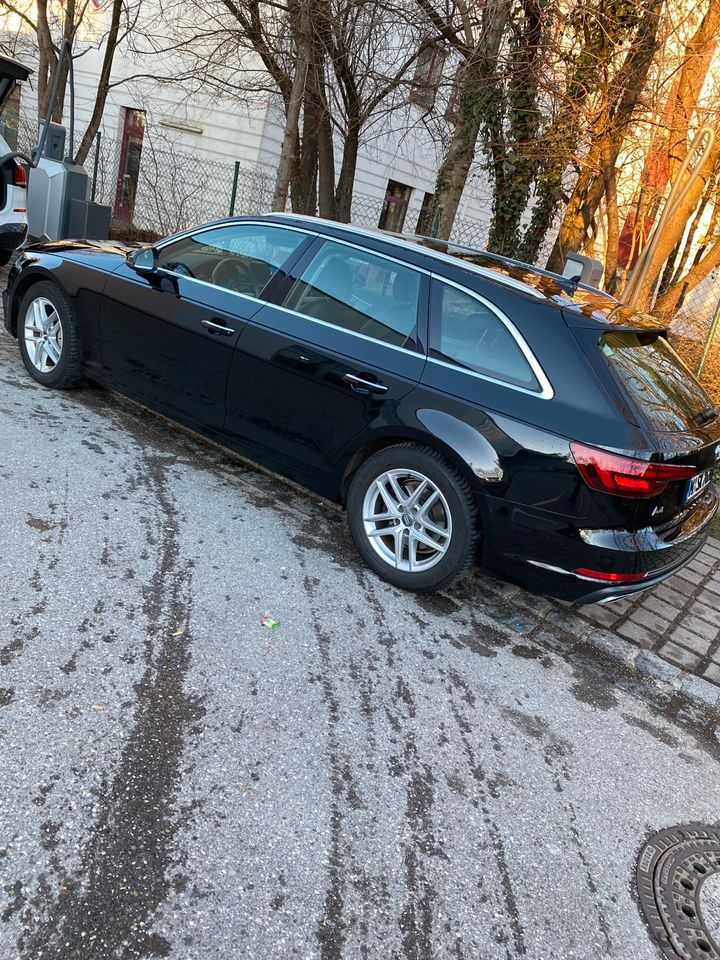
463, 408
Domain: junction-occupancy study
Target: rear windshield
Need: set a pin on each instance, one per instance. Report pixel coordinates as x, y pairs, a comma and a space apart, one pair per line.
656, 380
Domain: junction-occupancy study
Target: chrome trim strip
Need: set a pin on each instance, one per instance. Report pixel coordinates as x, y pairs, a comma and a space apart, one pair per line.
425, 251
213, 286
334, 326
227, 223
546, 391
553, 569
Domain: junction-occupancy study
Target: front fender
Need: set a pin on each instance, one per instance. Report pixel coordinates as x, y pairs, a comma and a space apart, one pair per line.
29, 268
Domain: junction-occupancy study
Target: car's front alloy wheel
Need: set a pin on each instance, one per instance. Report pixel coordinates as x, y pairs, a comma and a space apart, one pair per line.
47, 336
43, 334
412, 517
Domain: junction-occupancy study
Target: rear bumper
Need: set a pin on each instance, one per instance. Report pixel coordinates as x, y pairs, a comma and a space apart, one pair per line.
541, 551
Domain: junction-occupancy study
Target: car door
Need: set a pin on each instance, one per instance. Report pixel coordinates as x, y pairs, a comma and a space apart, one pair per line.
168, 337
338, 350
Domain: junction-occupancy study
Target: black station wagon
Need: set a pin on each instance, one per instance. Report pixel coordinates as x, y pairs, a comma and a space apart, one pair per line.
464, 408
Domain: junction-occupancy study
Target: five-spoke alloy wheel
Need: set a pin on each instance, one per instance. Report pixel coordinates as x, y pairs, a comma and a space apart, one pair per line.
413, 518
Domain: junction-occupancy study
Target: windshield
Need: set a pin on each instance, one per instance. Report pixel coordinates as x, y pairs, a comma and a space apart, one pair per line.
656, 380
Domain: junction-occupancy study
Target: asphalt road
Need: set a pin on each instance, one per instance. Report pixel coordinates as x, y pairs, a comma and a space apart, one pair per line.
382, 776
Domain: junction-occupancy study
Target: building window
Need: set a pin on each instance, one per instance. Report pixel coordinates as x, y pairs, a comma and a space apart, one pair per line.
425, 224
129, 168
428, 71
452, 113
397, 197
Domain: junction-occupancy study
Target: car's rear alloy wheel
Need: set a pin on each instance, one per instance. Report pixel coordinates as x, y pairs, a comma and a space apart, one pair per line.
413, 517
47, 336
407, 520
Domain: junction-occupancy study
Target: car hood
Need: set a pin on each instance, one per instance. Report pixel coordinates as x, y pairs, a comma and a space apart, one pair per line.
82, 246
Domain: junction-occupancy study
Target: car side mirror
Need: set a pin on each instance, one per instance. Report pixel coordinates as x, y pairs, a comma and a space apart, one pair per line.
144, 260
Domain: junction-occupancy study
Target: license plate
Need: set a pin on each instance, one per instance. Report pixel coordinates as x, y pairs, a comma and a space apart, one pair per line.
697, 483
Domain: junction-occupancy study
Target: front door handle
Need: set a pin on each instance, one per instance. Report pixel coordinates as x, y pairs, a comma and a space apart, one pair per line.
362, 385
217, 328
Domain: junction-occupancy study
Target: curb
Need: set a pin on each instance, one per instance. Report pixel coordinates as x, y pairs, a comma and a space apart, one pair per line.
650, 665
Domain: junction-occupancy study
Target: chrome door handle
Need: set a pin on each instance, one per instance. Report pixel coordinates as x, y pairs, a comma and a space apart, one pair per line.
217, 328
361, 384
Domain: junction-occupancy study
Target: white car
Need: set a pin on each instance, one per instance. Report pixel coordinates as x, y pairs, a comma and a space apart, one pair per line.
13, 175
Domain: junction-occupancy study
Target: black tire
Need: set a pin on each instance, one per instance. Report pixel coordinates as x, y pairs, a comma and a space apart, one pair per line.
65, 371
459, 553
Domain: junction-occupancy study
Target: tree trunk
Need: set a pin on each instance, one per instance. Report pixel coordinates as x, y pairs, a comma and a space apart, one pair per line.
516, 156
672, 231
68, 34
613, 225
579, 213
46, 59
326, 170
103, 84
346, 180
453, 173
294, 106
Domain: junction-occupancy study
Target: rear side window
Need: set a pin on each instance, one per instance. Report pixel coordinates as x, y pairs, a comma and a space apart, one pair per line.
356, 290
654, 377
467, 334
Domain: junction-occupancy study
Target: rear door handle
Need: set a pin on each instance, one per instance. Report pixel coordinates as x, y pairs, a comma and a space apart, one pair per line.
217, 328
361, 384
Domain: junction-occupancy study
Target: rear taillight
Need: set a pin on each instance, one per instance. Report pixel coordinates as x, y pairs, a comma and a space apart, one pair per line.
609, 577
625, 476
20, 178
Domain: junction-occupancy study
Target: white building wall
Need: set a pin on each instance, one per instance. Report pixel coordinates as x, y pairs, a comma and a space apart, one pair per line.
193, 141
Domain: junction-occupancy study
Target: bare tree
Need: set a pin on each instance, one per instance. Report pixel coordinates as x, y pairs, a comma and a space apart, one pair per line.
56, 21
620, 98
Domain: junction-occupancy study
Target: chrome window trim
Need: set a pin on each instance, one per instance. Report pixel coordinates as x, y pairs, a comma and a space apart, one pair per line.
425, 251
220, 226
546, 391
229, 223
213, 286
335, 326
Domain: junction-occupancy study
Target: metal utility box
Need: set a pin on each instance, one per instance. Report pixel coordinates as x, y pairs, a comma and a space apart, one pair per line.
88, 220
54, 148
584, 269
52, 187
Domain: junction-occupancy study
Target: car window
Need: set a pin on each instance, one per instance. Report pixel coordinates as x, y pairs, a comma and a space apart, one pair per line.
359, 291
653, 376
240, 257
466, 333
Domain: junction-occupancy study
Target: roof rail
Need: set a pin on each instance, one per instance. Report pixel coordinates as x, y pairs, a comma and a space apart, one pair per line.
564, 283
394, 237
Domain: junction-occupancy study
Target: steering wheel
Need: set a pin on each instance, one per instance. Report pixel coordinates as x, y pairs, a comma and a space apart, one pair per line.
180, 268
234, 275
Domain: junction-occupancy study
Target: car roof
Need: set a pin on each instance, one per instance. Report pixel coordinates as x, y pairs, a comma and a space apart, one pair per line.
580, 304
